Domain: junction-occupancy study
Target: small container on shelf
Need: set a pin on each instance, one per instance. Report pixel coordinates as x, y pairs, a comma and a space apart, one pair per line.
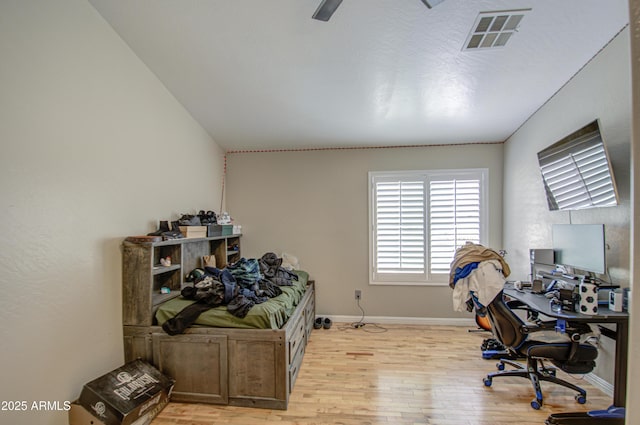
194, 231
214, 230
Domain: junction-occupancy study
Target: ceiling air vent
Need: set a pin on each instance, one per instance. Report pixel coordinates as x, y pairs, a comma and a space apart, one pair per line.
494, 29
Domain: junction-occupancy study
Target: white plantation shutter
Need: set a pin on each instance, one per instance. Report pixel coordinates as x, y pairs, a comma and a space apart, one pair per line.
400, 227
454, 218
419, 219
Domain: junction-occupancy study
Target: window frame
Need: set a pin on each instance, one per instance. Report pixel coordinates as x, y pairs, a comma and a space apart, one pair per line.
425, 278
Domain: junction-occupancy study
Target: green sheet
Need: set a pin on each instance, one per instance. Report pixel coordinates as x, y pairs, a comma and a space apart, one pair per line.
268, 315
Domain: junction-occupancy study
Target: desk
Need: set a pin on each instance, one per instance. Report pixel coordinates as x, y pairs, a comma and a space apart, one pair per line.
541, 304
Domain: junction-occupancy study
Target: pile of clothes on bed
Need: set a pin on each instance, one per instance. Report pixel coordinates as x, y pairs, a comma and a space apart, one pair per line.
239, 286
477, 275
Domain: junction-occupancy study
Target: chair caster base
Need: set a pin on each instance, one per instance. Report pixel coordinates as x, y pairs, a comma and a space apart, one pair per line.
612, 416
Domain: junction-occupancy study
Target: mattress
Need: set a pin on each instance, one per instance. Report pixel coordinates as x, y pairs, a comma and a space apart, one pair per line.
272, 314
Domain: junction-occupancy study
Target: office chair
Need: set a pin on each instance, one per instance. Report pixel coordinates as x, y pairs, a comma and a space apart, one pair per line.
570, 355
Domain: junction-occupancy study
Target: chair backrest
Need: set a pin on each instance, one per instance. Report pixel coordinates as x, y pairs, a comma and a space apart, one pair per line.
505, 324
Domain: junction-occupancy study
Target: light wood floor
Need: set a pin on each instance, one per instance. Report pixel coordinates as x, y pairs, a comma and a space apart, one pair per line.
397, 374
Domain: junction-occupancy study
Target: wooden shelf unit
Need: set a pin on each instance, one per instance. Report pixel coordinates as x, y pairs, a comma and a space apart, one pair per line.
143, 275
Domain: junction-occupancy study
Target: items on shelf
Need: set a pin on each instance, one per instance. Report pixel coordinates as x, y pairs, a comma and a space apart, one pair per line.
150, 267
194, 231
207, 218
143, 239
201, 225
166, 233
201, 219
225, 218
209, 261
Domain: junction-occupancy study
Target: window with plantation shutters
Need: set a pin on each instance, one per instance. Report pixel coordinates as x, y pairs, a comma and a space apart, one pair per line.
418, 219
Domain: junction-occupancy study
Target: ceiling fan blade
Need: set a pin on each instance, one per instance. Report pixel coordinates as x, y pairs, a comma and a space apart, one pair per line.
326, 9
431, 3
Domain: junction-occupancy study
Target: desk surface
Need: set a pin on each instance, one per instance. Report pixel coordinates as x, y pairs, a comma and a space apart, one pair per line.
542, 304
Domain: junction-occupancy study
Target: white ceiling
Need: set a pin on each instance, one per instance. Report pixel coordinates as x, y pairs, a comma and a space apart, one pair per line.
261, 74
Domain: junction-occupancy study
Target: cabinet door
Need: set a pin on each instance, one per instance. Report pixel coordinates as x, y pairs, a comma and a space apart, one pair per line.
198, 363
259, 368
137, 347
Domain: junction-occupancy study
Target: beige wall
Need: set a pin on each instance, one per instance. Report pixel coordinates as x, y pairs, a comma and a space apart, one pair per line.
633, 387
314, 205
601, 90
94, 148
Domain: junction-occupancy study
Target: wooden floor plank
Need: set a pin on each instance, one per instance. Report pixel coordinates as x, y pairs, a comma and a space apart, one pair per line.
400, 375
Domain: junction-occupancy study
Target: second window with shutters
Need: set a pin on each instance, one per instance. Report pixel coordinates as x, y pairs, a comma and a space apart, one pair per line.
419, 218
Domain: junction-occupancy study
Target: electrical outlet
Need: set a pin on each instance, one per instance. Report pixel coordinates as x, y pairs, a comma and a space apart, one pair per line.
358, 294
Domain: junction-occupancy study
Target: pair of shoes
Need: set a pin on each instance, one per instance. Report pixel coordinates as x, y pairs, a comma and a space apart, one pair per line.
326, 323
174, 233
492, 344
189, 220
322, 323
164, 227
207, 218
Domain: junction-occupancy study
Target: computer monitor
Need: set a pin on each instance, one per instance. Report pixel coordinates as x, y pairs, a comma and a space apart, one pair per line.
581, 246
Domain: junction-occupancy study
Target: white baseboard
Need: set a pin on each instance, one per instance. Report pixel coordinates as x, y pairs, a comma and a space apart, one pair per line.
599, 383
403, 320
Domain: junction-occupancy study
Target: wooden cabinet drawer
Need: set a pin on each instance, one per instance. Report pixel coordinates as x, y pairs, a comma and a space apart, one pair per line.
297, 339
294, 369
310, 309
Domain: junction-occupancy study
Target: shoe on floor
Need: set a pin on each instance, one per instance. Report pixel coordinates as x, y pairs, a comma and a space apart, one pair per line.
318, 323
326, 323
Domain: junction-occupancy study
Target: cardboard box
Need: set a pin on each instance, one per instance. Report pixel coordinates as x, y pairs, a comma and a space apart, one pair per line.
227, 229
194, 231
78, 415
132, 394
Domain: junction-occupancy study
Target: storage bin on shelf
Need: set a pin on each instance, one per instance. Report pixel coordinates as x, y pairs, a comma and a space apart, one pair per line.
194, 231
